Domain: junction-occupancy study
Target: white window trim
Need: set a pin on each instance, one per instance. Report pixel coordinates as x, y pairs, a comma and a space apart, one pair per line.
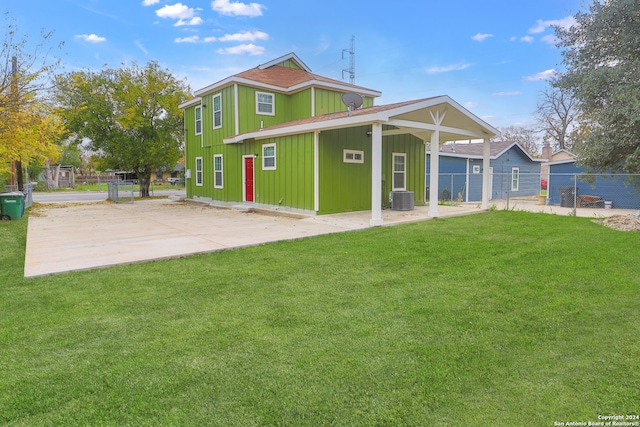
393, 172
349, 156
213, 102
476, 168
221, 171
195, 118
269, 168
199, 173
515, 171
273, 104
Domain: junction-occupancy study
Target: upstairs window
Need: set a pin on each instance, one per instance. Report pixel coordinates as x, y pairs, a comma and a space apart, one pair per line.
198, 112
269, 157
265, 104
217, 111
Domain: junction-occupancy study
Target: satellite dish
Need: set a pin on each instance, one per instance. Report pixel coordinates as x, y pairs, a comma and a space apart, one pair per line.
353, 101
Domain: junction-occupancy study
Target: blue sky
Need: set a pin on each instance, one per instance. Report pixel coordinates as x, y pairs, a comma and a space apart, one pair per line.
491, 56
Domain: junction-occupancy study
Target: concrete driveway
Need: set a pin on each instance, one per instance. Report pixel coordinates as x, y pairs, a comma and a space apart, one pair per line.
79, 236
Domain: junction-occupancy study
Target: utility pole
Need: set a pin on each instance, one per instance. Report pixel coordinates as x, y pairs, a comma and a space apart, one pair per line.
17, 167
352, 61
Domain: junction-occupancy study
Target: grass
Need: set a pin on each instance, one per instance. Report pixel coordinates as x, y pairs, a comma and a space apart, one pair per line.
503, 318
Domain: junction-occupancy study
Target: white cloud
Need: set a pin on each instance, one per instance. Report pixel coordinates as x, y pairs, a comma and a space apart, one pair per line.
196, 20
470, 104
549, 38
242, 49
541, 25
176, 11
447, 68
150, 2
514, 93
91, 38
210, 39
192, 39
527, 39
244, 36
227, 7
542, 76
481, 37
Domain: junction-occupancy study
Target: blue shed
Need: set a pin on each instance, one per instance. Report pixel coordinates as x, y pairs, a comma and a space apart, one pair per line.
615, 189
514, 172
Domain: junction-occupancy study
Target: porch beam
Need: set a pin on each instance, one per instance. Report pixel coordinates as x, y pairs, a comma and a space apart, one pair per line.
376, 174
431, 127
486, 177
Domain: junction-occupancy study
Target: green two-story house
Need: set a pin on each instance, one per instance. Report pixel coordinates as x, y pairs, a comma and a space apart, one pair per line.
280, 136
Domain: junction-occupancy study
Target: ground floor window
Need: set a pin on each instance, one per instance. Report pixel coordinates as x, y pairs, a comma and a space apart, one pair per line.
515, 179
353, 156
269, 157
199, 171
217, 171
399, 171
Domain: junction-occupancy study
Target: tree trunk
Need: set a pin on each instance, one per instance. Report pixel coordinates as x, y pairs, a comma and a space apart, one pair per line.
144, 181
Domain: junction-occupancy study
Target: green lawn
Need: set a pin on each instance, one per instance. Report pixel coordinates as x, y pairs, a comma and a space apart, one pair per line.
501, 319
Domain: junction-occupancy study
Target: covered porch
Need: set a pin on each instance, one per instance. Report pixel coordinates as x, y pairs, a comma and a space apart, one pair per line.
435, 121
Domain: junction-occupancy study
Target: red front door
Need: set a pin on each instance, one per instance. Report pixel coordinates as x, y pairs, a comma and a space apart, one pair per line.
248, 179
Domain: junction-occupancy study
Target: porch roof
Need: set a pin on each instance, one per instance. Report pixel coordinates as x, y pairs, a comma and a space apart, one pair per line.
417, 117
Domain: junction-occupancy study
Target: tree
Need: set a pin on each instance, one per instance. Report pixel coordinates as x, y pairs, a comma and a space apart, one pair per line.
557, 115
28, 129
130, 115
526, 137
602, 57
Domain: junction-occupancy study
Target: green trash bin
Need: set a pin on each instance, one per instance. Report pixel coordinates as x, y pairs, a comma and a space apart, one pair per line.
11, 205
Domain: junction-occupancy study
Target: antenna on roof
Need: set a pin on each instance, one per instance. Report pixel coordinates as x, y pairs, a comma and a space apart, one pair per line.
352, 61
353, 101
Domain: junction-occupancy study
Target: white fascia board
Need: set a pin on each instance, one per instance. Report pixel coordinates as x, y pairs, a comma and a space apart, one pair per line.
521, 149
432, 127
190, 103
445, 99
473, 117
319, 83
283, 58
306, 128
291, 89
232, 80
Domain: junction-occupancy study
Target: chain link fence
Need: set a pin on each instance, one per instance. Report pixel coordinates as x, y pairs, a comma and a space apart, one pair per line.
576, 190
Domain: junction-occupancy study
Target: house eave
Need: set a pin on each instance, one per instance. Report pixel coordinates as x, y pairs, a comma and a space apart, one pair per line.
291, 89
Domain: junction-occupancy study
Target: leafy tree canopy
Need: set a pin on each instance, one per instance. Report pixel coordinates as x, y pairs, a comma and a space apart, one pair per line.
602, 57
130, 115
28, 129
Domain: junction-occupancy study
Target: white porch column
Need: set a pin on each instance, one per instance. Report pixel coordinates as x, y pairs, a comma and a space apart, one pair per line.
486, 177
316, 171
376, 175
433, 174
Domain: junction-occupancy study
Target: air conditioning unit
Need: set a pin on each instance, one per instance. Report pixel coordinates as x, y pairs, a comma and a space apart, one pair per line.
401, 200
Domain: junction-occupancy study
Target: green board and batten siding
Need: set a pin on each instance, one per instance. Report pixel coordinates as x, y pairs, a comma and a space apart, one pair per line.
346, 187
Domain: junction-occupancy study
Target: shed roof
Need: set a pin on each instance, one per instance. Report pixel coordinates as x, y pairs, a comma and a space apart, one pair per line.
474, 150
